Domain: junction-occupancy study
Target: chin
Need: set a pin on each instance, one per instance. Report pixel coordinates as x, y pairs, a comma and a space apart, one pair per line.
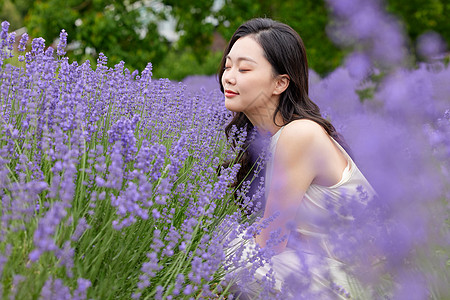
232, 107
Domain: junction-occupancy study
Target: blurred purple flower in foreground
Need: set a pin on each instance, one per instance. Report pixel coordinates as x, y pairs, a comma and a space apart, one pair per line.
430, 45
112, 183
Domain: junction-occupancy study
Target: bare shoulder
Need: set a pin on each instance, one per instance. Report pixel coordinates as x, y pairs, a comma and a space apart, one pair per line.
297, 150
302, 131
305, 150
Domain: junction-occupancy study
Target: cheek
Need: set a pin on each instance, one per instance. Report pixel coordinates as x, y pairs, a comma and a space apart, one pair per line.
256, 84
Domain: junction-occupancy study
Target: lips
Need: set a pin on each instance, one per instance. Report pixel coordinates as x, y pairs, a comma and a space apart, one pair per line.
230, 93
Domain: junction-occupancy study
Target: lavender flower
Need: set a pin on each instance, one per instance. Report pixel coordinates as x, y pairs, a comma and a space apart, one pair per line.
4, 41
4, 33
430, 45
116, 175
37, 46
65, 256
11, 41
23, 42
358, 65
55, 289
364, 23
4, 257
82, 226
46, 229
81, 292
123, 131
16, 282
62, 43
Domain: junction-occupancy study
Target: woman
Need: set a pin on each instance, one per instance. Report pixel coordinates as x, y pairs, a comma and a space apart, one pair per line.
264, 77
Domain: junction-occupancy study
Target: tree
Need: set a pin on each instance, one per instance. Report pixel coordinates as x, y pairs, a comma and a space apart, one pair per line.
8, 11
128, 30
309, 18
116, 28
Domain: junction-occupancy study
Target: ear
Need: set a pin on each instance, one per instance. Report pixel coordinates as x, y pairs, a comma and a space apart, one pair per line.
281, 84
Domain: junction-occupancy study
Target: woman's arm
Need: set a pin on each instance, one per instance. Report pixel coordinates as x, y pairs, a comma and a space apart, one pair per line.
293, 172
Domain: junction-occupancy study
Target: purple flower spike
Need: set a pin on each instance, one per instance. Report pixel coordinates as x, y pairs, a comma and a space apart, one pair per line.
4, 33
82, 226
102, 59
11, 41
37, 46
4, 257
23, 42
81, 292
365, 25
17, 279
55, 289
430, 45
62, 43
43, 236
358, 65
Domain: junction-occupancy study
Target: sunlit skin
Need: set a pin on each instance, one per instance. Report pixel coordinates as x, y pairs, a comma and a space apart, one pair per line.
305, 153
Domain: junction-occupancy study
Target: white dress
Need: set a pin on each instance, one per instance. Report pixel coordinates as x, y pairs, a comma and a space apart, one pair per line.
307, 268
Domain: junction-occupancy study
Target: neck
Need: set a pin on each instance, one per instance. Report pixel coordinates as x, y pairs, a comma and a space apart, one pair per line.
264, 123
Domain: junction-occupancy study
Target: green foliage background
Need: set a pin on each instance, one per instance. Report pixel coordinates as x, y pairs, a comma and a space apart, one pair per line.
128, 30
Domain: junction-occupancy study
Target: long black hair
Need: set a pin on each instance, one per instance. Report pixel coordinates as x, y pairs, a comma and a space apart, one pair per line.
285, 51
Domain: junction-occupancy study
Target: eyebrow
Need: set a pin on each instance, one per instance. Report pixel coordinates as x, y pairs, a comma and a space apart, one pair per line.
243, 58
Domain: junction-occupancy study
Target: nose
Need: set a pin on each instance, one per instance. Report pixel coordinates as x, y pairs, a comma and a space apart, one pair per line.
228, 77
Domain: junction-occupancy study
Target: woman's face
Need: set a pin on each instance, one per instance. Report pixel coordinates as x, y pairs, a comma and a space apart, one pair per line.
248, 80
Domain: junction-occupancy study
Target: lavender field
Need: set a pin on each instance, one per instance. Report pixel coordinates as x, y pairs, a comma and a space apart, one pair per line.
112, 184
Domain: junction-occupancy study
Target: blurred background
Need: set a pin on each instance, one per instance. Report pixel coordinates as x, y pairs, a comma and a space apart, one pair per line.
183, 38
